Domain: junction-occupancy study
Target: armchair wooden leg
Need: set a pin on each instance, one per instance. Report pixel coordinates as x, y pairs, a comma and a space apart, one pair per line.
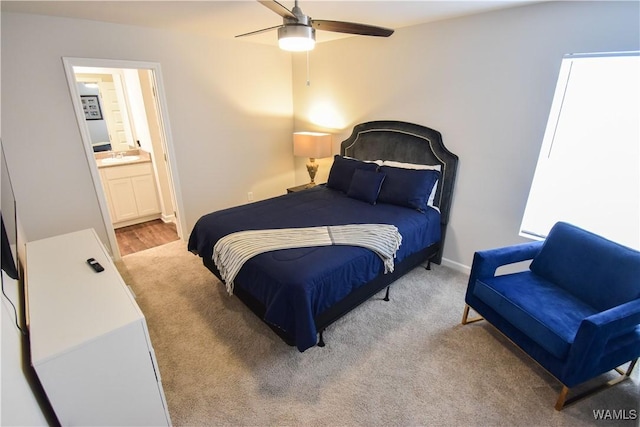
629, 369
563, 402
562, 398
465, 316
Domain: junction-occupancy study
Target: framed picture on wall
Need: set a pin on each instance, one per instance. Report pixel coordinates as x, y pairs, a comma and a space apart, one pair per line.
91, 107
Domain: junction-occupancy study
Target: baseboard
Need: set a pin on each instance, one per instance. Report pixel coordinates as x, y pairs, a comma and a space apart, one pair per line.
135, 221
168, 218
456, 266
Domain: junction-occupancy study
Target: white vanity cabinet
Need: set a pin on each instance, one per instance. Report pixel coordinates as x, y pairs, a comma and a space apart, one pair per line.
89, 342
131, 193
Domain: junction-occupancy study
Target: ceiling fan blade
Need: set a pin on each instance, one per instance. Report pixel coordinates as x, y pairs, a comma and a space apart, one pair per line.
278, 8
351, 28
264, 30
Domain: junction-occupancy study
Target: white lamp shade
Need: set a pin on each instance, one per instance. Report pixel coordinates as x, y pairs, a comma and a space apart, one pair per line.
313, 145
296, 38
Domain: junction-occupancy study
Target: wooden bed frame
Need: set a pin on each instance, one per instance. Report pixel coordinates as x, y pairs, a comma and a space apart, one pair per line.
382, 140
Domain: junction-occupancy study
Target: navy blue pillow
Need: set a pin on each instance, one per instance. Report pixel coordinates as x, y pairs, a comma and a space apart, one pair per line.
342, 171
407, 187
365, 185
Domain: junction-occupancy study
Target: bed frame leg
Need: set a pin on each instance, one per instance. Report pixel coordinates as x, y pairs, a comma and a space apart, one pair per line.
428, 267
321, 340
386, 295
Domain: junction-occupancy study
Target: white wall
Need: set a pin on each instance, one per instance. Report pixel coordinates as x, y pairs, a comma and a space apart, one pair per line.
485, 82
230, 113
231, 134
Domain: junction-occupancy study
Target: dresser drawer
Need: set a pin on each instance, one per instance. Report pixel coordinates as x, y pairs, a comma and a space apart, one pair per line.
126, 171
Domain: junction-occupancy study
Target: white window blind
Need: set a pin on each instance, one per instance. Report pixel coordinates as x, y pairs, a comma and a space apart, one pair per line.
588, 171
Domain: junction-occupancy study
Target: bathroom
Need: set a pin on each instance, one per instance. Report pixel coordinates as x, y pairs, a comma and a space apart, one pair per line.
126, 138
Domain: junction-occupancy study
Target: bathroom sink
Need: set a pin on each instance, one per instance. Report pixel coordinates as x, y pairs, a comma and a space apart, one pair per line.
123, 159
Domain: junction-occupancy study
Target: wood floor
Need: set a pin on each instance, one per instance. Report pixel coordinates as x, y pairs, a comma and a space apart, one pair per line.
139, 237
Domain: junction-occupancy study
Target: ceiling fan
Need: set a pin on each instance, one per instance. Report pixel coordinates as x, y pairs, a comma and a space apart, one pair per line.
298, 31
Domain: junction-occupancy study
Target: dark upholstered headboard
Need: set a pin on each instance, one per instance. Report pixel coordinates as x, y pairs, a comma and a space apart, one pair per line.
410, 143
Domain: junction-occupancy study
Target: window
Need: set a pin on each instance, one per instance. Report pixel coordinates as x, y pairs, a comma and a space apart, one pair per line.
588, 171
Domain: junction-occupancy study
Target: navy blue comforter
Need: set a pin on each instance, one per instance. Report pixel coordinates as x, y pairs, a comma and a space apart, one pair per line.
295, 285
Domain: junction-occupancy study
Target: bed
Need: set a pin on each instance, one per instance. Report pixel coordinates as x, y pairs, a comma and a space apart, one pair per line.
299, 291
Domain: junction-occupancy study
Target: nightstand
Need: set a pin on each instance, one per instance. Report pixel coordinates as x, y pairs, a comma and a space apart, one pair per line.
300, 187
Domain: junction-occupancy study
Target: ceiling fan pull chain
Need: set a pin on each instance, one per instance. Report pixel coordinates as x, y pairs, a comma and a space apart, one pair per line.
308, 79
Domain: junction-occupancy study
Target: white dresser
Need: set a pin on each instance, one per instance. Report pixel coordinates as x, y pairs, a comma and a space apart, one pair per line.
90, 346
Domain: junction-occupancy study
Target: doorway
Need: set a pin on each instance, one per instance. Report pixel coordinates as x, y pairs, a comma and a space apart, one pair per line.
121, 112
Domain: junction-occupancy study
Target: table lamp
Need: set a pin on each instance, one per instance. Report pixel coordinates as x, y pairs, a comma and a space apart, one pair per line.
313, 145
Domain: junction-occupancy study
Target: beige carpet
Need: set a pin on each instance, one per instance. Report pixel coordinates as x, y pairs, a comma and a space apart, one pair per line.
406, 362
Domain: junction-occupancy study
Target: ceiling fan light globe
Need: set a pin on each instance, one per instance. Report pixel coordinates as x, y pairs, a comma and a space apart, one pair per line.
296, 38
296, 44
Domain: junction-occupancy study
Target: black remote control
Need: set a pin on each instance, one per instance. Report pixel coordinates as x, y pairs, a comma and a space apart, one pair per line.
95, 265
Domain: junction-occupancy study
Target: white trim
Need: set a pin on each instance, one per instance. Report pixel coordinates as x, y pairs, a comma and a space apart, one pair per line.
176, 193
69, 64
456, 266
93, 167
602, 54
168, 218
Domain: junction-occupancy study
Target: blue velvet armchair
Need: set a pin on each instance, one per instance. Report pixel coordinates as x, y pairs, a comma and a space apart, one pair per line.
576, 310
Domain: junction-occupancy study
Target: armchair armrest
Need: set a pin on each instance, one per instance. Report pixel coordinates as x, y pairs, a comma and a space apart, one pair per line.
617, 319
485, 263
595, 335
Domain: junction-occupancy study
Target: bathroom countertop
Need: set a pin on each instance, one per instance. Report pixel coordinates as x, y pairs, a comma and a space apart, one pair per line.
144, 157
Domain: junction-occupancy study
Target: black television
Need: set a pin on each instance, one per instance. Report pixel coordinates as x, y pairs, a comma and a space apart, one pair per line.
8, 222
9, 265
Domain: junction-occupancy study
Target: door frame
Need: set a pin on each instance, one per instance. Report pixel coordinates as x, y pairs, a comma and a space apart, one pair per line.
167, 140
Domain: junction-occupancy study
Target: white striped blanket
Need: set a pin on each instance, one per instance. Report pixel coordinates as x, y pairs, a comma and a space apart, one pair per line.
233, 250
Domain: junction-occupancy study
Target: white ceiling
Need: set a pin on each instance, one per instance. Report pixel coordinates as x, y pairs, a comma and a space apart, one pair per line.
225, 19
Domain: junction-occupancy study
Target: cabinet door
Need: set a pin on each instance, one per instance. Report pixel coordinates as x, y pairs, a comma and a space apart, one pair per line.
144, 188
110, 380
105, 188
123, 199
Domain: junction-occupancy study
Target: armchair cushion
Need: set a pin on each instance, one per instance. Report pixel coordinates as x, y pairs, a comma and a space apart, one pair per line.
584, 264
518, 298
